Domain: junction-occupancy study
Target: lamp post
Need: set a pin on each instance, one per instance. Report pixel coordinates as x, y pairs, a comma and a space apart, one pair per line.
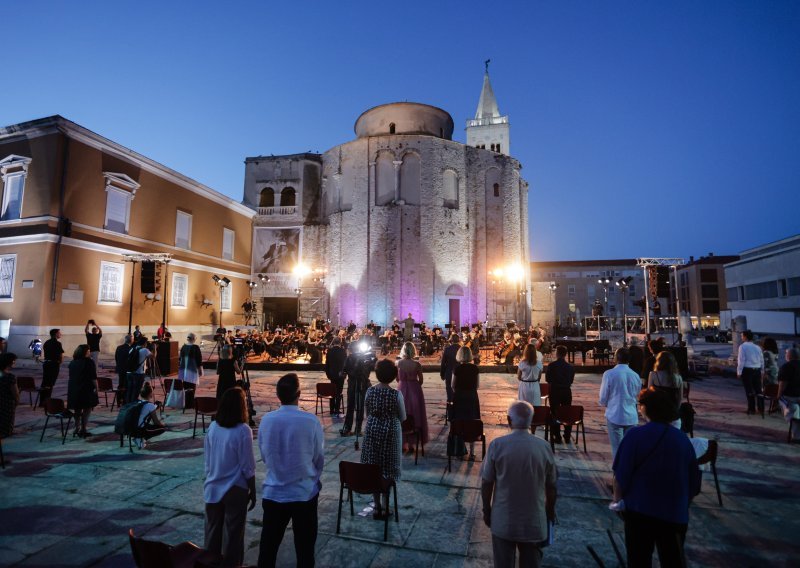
623, 284
553, 287
299, 270
497, 278
604, 282
223, 282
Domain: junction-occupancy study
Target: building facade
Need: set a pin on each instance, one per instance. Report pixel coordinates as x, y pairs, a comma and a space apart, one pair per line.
400, 220
701, 289
74, 203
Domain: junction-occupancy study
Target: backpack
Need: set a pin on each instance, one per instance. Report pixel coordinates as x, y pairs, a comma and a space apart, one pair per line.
132, 364
127, 422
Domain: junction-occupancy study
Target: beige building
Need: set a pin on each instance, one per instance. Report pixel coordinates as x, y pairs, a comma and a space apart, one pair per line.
74, 203
701, 289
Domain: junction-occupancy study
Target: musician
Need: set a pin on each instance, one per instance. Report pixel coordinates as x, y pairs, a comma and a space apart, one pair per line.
351, 327
385, 341
408, 328
507, 349
426, 339
396, 327
438, 338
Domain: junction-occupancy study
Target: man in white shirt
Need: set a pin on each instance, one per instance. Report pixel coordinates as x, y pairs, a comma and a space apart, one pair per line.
291, 445
749, 368
619, 393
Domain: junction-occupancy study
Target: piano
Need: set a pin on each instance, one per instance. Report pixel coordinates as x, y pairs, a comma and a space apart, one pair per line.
583, 346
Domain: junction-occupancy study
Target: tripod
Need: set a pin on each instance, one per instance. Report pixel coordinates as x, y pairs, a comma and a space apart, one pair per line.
251, 410
154, 374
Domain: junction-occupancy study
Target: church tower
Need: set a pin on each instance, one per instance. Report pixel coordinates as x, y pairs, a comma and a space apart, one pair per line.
489, 130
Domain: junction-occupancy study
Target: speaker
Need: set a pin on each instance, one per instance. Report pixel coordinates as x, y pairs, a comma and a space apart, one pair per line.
662, 282
148, 277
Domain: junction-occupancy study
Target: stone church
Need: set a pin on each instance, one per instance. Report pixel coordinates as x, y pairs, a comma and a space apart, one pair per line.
402, 219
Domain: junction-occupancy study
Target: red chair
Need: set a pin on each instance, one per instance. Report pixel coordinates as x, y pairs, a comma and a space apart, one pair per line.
55, 408
572, 416
364, 478
105, 385
155, 554
544, 390
470, 431
770, 394
710, 457
541, 417
327, 391
410, 429
28, 385
204, 406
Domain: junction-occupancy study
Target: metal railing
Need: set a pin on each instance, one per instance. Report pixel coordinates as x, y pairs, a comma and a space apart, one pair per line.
279, 210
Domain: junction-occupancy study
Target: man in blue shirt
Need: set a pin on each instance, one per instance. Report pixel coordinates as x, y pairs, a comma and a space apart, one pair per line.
618, 393
291, 445
656, 476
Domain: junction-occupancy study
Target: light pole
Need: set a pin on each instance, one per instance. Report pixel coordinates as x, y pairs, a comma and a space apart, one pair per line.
604, 282
223, 282
497, 274
553, 287
623, 284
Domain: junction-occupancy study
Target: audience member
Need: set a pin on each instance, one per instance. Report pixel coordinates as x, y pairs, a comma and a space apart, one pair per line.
150, 423
190, 367
121, 361
82, 388
227, 369
466, 405
560, 376
656, 476
9, 394
135, 380
529, 373
618, 391
789, 391
665, 377
357, 368
654, 347
230, 468
409, 383
518, 490
385, 412
449, 364
93, 337
334, 369
749, 368
291, 445
769, 348
636, 357
53, 357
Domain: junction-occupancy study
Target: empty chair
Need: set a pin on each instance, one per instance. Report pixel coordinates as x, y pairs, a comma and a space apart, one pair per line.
541, 417
410, 429
325, 391
365, 479
544, 391
55, 408
710, 457
156, 554
28, 385
204, 406
770, 394
573, 416
105, 385
469, 431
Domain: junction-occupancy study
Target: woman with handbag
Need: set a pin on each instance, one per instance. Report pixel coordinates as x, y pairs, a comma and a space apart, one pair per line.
82, 389
190, 368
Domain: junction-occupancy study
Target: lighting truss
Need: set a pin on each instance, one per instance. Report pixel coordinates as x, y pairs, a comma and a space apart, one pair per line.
643, 262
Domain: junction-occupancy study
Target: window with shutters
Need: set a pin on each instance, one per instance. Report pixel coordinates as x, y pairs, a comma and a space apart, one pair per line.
8, 263
228, 237
226, 294
111, 281
120, 190
180, 287
13, 171
183, 230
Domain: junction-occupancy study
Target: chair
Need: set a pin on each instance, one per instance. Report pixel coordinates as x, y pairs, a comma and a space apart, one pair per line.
573, 416
364, 478
204, 406
55, 408
105, 385
409, 427
770, 394
544, 391
541, 417
28, 385
710, 457
470, 431
326, 391
155, 554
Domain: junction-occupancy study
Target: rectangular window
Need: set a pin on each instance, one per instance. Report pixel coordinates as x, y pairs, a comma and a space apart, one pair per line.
111, 280
225, 298
709, 290
782, 288
571, 290
733, 294
710, 306
118, 205
8, 263
180, 287
761, 290
13, 188
183, 230
708, 275
228, 237
794, 286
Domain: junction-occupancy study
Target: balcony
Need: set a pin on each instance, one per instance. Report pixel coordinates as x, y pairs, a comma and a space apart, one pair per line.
275, 211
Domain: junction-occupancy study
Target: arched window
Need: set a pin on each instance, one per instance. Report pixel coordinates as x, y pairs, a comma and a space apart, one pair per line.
496, 188
450, 189
287, 197
384, 182
267, 198
391, 128
410, 179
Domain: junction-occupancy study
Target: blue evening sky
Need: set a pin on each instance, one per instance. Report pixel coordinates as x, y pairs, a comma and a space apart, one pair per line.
645, 128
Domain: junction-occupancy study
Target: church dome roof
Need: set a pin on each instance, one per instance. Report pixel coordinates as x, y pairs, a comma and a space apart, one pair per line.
405, 118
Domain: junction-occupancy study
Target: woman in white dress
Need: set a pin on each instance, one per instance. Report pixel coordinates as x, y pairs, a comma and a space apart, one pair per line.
529, 372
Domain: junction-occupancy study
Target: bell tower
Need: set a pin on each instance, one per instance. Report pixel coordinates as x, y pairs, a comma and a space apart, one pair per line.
489, 129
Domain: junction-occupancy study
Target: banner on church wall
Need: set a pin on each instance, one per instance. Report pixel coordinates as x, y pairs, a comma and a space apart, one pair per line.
276, 253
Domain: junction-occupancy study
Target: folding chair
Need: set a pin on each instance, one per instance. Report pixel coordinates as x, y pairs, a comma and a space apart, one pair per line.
55, 408
410, 428
710, 457
573, 416
204, 406
770, 394
28, 385
470, 431
364, 478
155, 554
326, 391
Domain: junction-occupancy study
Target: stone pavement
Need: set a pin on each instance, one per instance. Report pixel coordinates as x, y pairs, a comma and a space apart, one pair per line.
72, 505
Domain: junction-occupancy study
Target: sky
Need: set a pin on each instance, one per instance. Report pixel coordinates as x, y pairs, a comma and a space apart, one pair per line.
655, 129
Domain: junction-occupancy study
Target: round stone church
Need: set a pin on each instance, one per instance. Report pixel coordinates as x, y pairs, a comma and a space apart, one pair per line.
402, 219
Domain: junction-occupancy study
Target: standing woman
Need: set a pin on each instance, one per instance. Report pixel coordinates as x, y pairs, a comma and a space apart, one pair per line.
382, 439
190, 367
529, 373
409, 383
665, 377
466, 405
82, 388
230, 485
9, 394
770, 348
227, 369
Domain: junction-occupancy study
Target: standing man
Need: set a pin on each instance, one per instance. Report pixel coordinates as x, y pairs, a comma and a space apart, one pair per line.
334, 369
560, 376
618, 393
408, 328
291, 444
357, 368
121, 360
135, 379
789, 391
449, 364
93, 341
53, 357
749, 368
519, 491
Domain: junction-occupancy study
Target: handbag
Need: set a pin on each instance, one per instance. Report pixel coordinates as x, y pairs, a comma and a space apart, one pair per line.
176, 397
